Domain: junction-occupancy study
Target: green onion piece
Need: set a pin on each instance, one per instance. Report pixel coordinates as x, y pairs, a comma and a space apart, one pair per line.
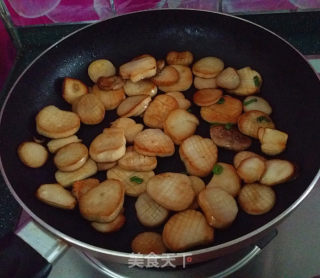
217, 169
256, 81
221, 100
263, 119
228, 126
136, 179
215, 124
250, 101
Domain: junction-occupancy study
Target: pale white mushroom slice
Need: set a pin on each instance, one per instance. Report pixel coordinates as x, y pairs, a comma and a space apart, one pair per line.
184, 82
256, 103
204, 83
256, 199
110, 99
72, 89
250, 122
277, 171
153, 142
187, 229
226, 178
183, 102
133, 106
104, 202
166, 77
71, 157
149, 212
55, 195
32, 154
184, 58
68, 178
197, 185
90, 109
81, 187
103, 166
219, 207
272, 141
142, 87
228, 78
53, 122
240, 156
140, 68
108, 146
134, 161
198, 155
250, 82
207, 97
56, 144
251, 169
110, 83
130, 127
110, 227
158, 110
135, 182
171, 190
100, 67
208, 67
180, 124
148, 243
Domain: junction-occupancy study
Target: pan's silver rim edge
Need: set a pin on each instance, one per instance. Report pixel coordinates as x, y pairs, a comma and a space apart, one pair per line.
124, 255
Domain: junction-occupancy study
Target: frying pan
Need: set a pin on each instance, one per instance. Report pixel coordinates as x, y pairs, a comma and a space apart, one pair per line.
290, 85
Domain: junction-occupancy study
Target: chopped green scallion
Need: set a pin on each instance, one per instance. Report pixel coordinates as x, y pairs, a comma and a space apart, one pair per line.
136, 179
250, 101
263, 119
217, 169
256, 81
221, 101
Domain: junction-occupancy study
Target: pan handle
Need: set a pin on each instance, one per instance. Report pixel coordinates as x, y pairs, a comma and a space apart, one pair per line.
29, 253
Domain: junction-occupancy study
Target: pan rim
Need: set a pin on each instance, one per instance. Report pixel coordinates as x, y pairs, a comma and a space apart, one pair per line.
92, 248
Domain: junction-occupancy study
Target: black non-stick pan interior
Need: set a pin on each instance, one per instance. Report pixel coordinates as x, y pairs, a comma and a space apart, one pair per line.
289, 84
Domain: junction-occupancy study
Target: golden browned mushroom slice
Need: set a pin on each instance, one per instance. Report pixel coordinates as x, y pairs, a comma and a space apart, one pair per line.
71, 157
198, 155
250, 122
183, 102
153, 142
251, 169
53, 122
166, 77
142, 87
135, 182
228, 78
184, 58
129, 126
140, 68
101, 67
81, 187
108, 146
68, 178
103, 166
110, 99
197, 185
90, 109
207, 97
160, 65
256, 199
226, 178
56, 144
240, 156
110, 83
148, 242
185, 230
256, 103
272, 141
219, 207
184, 82
133, 106
72, 89
134, 161
158, 110
208, 67
180, 124
149, 212
104, 202
55, 195
204, 83
226, 110
171, 190
229, 137
32, 154
110, 227
277, 171
250, 82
